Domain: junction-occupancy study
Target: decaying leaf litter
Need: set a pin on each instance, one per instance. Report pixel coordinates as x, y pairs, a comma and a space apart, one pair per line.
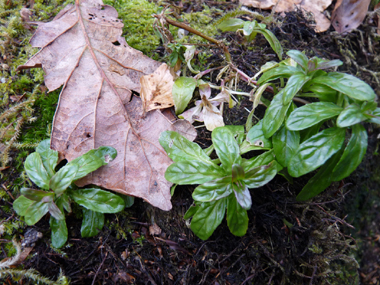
225, 257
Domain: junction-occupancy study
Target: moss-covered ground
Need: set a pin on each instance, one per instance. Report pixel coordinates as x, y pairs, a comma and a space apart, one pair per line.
334, 239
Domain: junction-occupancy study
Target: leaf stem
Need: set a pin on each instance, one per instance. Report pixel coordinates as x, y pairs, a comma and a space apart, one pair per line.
198, 33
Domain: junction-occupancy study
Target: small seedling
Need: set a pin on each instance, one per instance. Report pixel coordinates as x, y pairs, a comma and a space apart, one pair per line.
57, 190
250, 31
224, 182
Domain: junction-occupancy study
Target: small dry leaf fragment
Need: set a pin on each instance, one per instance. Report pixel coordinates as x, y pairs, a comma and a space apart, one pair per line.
154, 230
314, 6
349, 14
156, 89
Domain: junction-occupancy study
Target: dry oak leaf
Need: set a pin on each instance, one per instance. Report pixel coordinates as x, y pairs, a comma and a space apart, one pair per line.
156, 89
349, 14
314, 6
82, 49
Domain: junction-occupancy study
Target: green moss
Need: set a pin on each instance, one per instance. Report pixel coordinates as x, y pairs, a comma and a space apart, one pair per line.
202, 22
138, 23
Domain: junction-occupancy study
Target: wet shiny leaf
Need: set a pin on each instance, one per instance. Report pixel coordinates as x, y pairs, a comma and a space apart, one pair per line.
347, 84
353, 153
315, 151
208, 217
285, 145
98, 200
237, 218
36, 170
311, 114
92, 223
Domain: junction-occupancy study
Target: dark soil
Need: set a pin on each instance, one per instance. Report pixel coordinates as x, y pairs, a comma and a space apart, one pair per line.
318, 242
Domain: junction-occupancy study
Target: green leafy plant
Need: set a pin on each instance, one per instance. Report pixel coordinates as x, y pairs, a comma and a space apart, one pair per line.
177, 53
224, 182
250, 31
57, 191
313, 135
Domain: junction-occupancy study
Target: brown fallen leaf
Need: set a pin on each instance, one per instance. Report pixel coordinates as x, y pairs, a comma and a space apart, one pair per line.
314, 6
349, 14
156, 89
82, 49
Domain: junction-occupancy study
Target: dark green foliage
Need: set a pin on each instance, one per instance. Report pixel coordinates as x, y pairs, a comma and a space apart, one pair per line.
224, 185
58, 191
345, 102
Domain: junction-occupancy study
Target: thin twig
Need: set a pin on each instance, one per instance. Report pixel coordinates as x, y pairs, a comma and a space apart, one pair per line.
100, 266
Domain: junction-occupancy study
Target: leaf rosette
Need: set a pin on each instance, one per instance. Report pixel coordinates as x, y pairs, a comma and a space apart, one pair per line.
224, 183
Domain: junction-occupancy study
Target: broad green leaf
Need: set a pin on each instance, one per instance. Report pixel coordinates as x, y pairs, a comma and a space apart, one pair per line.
237, 131
92, 223
49, 157
182, 92
275, 115
314, 152
59, 232
242, 195
322, 92
260, 175
213, 190
55, 211
37, 195
311, 114
226, 146
284, 71
98, 200
256, 136
299, 57
263, 159
208, 217
80, 167
351, 115
347, 84
237, 218
353, 153
92, 160
285, 145
180, 148
21, 205
237, 172
36, 170
321, 180
293, 86
248, 27
191, 212
193, 172
231, 25
31, 210
63, 178
272, 40
35, 212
